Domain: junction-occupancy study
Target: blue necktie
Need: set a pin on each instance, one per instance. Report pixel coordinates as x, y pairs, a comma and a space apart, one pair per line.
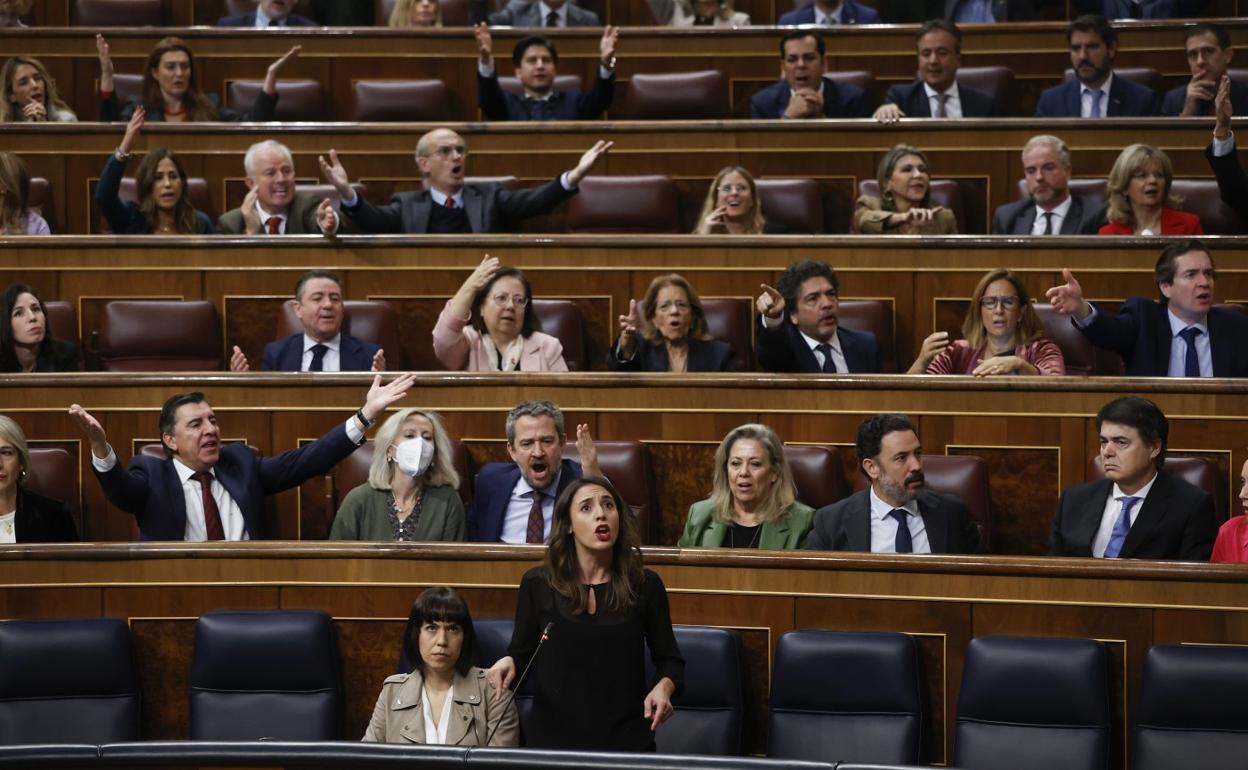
318, 358
1121, 527
903, 544
1191, 365
829, 366
1095, 112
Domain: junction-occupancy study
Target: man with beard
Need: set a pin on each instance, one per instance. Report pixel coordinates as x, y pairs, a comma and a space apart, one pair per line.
896, 513
1049, 208
937, 93
809, 338
1095, 92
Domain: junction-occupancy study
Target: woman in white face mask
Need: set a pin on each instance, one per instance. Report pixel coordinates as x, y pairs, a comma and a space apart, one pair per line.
411, 489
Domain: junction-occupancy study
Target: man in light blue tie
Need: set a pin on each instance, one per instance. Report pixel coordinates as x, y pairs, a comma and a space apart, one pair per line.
1137, 511
1095, 91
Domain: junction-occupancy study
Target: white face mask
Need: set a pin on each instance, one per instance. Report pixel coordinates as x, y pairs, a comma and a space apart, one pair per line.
414, 456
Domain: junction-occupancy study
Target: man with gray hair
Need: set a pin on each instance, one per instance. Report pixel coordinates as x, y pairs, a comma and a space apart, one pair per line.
272, 206
515, 502
1049, 208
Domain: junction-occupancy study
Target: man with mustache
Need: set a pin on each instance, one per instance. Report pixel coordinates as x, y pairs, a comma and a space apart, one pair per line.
937, 93
1184, 335
1095, 92
272, 205
896, 513
1137, 511
809, 338
1049, 208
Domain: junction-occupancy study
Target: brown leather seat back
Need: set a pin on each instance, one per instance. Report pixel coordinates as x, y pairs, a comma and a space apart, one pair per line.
1198, 471
53, 473
561, 319
945, 192
323, 191
302, 99
818, 474
625, 204
1202, 198
627, 465
1141, 76
728, 320
864, 79
795, 203
965, 476
1077, 351
41, 201
160, 335
701, 95
875, 316
511, 84
126, 85
62, 321
117, 13
996, 81
369, 320
401, 100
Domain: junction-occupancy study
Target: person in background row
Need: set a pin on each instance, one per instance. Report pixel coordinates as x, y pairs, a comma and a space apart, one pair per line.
12, 11
1231, 544
802, 90
1001, 335
697, 13
1209, 52
409, 14
1050, 208
26, 341
171, 90
905, 203
272, 205
16, 215
411, 493
1142, 9
1232, 181
536, 60
269, 14
732, 206
28, 94
937, 93
534, 13
1095, 91
26, 517
667, 333
753, 502
164, 206
1140, 200
825, 13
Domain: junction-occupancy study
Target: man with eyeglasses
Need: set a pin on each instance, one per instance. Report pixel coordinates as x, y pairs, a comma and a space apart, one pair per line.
800, 330
1049, 208
449, 204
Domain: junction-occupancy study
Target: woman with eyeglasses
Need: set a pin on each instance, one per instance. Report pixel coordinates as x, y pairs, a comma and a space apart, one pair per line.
1140, 199
667, 333
489, 326
732, 206
1002, 334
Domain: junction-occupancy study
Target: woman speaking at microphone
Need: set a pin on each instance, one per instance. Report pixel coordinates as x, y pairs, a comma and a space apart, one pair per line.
603, 608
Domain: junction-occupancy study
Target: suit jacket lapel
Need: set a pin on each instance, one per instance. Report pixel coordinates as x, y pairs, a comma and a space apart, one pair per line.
935, 524
1074, 217
1089, 520
806, 361
850, 350
1113, 107
1219, 346
349, 350
774, 535
292, 354
530, 353
227, 473
173, 489
1163, 338
919, 106
422, 210
715, 535
1026, 219
475, 207
858, 523
1152, 512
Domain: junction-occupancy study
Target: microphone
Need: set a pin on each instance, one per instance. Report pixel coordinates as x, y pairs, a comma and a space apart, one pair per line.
520, 681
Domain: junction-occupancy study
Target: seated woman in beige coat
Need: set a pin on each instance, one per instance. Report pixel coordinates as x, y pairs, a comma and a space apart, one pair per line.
489, 326
445, 700
753, 502
905, 203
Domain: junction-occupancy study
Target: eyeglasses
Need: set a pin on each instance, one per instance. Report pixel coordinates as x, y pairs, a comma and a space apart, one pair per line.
671, 305
1009, 303
447, 151
729, 189
501, 300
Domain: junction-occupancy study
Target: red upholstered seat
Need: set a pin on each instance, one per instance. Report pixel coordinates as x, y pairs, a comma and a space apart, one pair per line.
401, 100
53, 472
117, 13
996, 81
794, 203
1202, 198
701, 95
728, 320
297, 99
818, 474
625, 204
875, 316
864, 79
561, 319
160, 335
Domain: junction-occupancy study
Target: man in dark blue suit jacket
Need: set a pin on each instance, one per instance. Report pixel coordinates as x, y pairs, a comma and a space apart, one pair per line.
939, 46
202, 490
1093, 45
842, 12
1182, 336
1232, 181
274, 13
536, 58
803, 91
809, 339
1209, 53
1143, 9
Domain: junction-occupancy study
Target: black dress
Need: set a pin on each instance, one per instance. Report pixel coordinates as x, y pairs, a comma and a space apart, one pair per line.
43, 520
590, 678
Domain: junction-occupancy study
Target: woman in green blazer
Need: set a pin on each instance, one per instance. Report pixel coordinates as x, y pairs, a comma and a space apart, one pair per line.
411, 489
753, 502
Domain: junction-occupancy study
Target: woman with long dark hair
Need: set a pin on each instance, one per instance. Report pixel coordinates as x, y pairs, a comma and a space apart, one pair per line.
26, 343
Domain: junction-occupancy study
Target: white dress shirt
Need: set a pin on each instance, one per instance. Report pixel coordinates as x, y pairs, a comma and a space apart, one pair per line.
1178, 347
884, 526
1085, 98
953, 105
1113, 509
435, 731
1223, 147
439, 198
544, 11
516, 520
331, 362
264, 220
835, 343
262, 21
1059, 213
830, 19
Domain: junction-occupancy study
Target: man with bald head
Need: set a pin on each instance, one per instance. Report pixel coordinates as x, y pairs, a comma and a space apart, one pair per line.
448, 204
272, 205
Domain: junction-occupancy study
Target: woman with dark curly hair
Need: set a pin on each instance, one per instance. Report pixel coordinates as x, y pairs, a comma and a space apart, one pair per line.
26, 343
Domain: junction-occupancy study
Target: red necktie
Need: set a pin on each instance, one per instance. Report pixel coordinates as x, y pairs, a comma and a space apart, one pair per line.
212, 516
450, 202
537, 520
275, 225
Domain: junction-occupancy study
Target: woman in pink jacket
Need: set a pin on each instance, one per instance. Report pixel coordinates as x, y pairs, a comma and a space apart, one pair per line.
489, 326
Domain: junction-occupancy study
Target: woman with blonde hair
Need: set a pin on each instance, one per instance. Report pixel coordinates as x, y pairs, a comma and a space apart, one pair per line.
412, 488
905, 203
753, 502
732, 206
416, 13
26, 517
667, 333
28, 94
16, 216
1140, 199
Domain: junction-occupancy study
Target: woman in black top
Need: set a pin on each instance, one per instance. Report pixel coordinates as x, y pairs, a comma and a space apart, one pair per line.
667, 332
26, 343
26, 517
604, 608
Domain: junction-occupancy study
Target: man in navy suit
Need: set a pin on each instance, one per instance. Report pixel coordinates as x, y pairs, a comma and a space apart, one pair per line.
1137, 511
1049, 208
1232, 181
896, 513
1209, 52
1182, 336
515, 502
1143, 9
323, 347
534, 13
937, 93
831, 12
268, 13
810, 339
536, 58
1095, 92
205, 491
803, 91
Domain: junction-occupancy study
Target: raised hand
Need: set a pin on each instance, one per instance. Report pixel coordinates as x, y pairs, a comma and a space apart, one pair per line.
132, 130
888, 114
238, 361
715, 219
485, 43
251, 215
379, 361
588, 160
589, 453
1222, 109
629, 324
327, 218
1067, 299
106, 64
805, 103
770, 303
270, 75
335, 174
382, 396
933, 344
93, 430
35, 112
606, 46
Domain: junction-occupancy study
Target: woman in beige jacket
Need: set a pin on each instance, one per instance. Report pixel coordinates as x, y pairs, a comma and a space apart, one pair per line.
445, 700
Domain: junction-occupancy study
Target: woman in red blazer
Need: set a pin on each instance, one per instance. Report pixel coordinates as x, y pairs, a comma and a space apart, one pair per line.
1232, 542
1139, 196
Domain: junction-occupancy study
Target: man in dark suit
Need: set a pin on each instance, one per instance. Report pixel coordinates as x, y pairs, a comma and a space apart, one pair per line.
809, 338
534, 13
990, 11
1142, 9
803, 91
515, 502
830, 12
1095, 91
1209, 53
272, 205
536, 58
896, 513
937, 93
268, 13
447, 204
1232, 181
1182, 336
1049, 208
205, 491
1136, 511
323, 347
